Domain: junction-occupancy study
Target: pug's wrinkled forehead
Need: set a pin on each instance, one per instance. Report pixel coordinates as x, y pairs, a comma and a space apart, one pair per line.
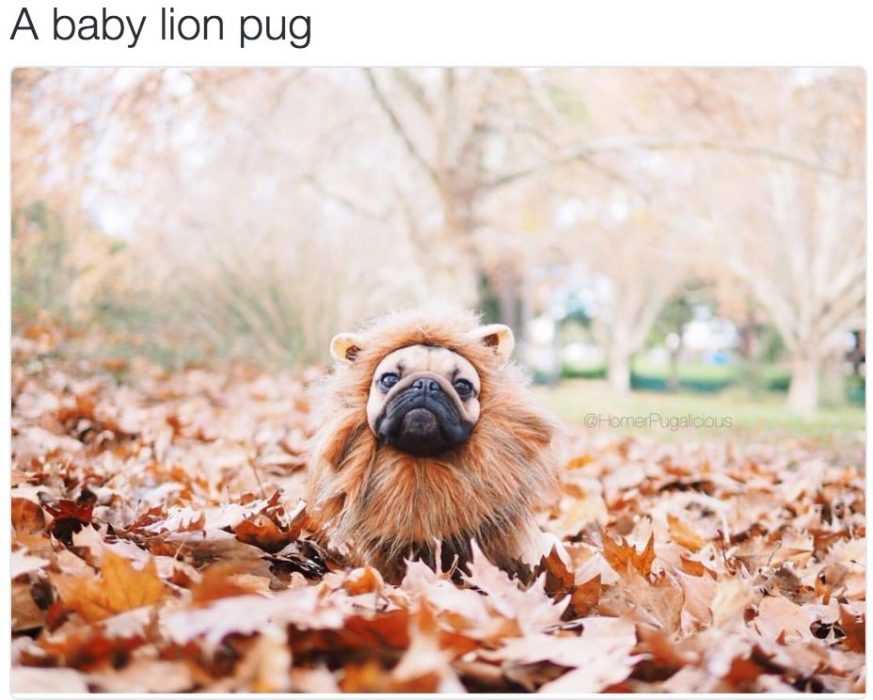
403, 368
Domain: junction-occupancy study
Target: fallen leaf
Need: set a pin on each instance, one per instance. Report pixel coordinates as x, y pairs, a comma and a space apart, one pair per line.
718, 566
26, 614
732, 597
532, 609
559, 579
262, 532
363, 580
656, 602
622, 556
70, 516
27, 516
585, 598
778, 617
855, 629
425, 664
684, 534
600, 657
265, 667
120, 587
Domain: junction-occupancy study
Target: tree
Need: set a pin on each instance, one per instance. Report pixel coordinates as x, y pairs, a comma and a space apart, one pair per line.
434, 182
229, 220
488, 141
807, 270
457, 128
669, 326
637, 265
797, 239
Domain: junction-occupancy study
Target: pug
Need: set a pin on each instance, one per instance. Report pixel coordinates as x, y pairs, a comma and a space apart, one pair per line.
431, 446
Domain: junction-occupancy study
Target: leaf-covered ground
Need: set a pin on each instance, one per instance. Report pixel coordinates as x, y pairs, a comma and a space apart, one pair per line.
160, 544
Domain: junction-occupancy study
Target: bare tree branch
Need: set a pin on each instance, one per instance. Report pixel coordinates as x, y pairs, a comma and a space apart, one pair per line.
415, 90
386, 107
736, 149
343, 200
586, 154
548, 165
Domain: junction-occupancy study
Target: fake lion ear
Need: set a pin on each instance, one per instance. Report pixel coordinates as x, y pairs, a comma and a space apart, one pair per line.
345, 347
499, 338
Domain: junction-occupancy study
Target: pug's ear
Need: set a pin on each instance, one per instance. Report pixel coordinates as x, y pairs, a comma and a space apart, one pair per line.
345, 347
497, 337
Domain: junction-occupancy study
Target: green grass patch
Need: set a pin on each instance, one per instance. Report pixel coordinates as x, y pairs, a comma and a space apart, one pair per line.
734, 411
698, 377
569, 371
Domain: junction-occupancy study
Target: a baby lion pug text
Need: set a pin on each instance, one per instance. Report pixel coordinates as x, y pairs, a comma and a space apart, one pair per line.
431, 441
107, 26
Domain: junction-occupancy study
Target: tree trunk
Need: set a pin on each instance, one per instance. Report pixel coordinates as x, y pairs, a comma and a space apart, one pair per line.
803, 393
673, 376
675, 354
507, 290
619, 370
508, 302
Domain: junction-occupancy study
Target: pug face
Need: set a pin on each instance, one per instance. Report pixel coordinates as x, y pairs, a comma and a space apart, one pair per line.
423, 400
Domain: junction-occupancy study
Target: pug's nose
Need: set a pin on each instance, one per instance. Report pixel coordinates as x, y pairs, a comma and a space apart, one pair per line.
430, 386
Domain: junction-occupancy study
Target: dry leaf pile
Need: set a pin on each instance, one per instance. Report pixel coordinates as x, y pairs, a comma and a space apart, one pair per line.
160, 544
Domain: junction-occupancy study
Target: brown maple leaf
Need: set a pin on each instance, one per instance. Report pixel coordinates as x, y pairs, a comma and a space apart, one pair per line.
262, 532
622, 556
854, 629
225, 580
363, 580
119, 587
656, 600
70, 516
584, 598
27, 516
683, 534
559, 579
693, 567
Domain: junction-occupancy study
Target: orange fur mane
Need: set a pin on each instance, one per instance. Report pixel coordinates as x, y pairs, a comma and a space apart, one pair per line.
385, 505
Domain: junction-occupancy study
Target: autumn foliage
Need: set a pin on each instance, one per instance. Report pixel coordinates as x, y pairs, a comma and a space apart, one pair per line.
160, 544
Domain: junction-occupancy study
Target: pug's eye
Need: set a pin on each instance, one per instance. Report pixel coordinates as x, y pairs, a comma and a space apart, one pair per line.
464, 388
389, 379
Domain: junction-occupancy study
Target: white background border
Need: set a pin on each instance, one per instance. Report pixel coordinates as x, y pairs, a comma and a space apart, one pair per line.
446, 32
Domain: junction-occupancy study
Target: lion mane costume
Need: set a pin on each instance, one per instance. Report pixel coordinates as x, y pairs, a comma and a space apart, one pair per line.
383, 505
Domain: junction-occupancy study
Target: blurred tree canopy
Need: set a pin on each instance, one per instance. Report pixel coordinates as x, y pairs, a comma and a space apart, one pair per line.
254, 212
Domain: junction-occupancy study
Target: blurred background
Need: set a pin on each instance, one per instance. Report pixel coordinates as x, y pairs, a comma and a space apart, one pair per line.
672, 240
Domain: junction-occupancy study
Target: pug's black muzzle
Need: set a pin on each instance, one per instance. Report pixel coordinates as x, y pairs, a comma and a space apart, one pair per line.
422, 420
